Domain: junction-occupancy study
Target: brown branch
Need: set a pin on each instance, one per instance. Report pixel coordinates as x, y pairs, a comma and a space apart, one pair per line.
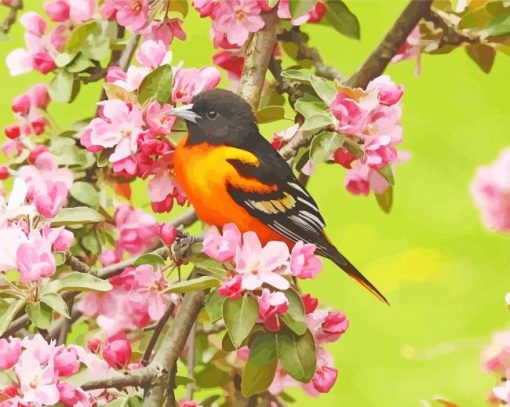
382, 55
451, 34
76, 264
129, 51
15, 6
66, 323
258, 53
191, 360
186, 219
155, 335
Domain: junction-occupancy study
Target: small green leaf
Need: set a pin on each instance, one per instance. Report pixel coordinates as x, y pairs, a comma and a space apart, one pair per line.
91, 243
270, 114
214, 305
195, 284
299, 8
260, 368
183, 380
79, 64
96, 46
500, 25
342, 19
385, 200
7, 316
483, 55
76, 281
79, 35
294, 318
387, 173
179, 6
316, 122
40, 314
297, 75
157, 84
325, 89
77, 216
309, 105
61, 87
116, 92
297, 354
150, 258
324, 145
211, 376
240, 316
56, 302
85, 193
272, 3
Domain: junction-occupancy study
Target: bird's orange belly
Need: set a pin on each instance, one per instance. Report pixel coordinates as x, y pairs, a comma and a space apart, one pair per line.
204, 173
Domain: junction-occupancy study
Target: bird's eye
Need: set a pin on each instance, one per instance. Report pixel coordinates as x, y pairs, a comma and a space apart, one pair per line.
212, 114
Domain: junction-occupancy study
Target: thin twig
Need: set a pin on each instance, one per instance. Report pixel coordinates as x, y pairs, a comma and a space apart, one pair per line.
66, 323
15, 6
129, 51
155, 335
451, 34
190, 361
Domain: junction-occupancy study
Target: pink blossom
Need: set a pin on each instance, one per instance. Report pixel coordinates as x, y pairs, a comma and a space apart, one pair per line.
152, 54
132, 14
222, 247
334, 325
496, 357
282, 137
117, 353
129, 80
94, 345
310, 303
231, 288
272, 304
258, 265
10, 351
72, 396
379, 151
281, 381
4, 173
314, 15
60, 238
190, 82
74, 11
411, 49
230, 61
37, 349
490, 190
361, 178
167, 233
159, 123
324, 379
21, 104
50, 203
389, 92
344, 157
164, 31
137, 229
66, 361
207, 8
350, 115
12, 131
148, 291
38, 383
34, 259
57, 11
303, 262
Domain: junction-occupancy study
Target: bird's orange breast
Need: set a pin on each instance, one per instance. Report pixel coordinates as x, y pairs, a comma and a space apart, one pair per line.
204, 173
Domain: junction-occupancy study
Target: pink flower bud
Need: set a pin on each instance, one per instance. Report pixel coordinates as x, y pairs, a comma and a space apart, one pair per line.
324, 379
167, 233
10, 390
57, 11
43, 62
72, 396
232, 288
12, 131
4, 173
344, 157
310, 303
39, 95
66, 362
38, 125
94, 345
10, 350
41, 148
50, 203
335, 323
21, 104
117, 353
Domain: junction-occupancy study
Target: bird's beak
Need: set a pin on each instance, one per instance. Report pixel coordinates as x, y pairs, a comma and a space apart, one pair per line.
184, 112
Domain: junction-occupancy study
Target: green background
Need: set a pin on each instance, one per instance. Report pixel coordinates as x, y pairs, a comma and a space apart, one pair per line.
443, 273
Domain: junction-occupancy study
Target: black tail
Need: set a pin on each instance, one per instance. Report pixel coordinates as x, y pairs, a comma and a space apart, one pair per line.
334, 255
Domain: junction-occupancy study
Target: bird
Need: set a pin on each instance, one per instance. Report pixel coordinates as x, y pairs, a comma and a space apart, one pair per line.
232, 174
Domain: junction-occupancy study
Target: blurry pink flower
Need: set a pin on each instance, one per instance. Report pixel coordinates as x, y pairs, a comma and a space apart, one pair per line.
94, 345
314, 15
282, 137
231, 288
39, 96
152, 54
117, 353
303, 262
502, 392
259, 265
237, 19
148, 290
4, 172
334, 325
411, 49
206, 8
12, 131
10, 351
272, 304
37, 349
189, 403
344, 157
167, 233
50, 202
164, 31
389, 92
57, 11
230, 61
222, 247
33, 23
11, 238
496, 357
350, 115
34, 259
137, 229
132, 14
189, 82
490, 190
60, 238
281, 381
310, 303
129, 80
38, 383
66, 361
74, 11
73, 396
379, 151
21, 104
324, 379
361, 179
158, 122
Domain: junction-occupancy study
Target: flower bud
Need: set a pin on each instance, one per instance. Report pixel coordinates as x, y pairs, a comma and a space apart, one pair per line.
12, 131
167, 233
21, 104
117, 353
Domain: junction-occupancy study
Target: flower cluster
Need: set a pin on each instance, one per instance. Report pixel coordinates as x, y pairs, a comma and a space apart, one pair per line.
491, 192
44, 374
370, 118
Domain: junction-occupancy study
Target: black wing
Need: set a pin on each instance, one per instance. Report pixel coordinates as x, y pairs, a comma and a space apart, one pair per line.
289, 210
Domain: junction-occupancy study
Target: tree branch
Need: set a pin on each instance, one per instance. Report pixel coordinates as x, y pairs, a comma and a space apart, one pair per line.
155, 335
15, 6
382, 55
258, 52
451, 35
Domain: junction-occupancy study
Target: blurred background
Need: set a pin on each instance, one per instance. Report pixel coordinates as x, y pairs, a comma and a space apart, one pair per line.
444, 274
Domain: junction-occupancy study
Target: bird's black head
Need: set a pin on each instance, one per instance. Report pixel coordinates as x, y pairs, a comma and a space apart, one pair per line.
218, 116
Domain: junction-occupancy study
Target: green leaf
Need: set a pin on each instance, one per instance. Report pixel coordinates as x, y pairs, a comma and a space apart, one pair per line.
270, 114
56, 302
85, 193
61, 87
260, 368
150, 258
294, 318
195, 284
76, 281
500, 25
40, 314
214, 305
325, 89
78, 37
79, 64
91, 243
385, 200
96, 46
483, 55
342, 19
211, 376
309, 106
179, 6
297, 75
316, 122
272, 3
77, 216
116, 92
240, 316
297, 354
7, 316
387, 173
183, 380
157, 84
299, 8
324, 145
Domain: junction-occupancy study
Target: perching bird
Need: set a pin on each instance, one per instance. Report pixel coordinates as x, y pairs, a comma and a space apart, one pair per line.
232, 174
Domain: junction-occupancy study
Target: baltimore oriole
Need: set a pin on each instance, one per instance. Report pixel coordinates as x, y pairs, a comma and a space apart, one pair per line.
232, 174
